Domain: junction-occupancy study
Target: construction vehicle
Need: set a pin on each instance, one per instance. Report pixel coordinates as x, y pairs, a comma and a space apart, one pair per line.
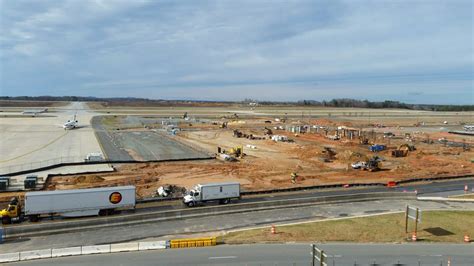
267, 131
231, 154
403, 150
377, 147
69, 203
237, 151
293, 176
373, 164
222, 192
237, 134
329, 154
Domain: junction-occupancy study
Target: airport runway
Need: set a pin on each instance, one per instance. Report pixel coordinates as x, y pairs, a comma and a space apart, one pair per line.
283, 254
33, 142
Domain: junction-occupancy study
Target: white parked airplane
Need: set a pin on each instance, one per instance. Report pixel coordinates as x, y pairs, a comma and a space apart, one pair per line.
70, 124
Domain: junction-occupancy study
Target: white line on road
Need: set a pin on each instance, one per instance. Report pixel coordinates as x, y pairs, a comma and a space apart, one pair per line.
225, 257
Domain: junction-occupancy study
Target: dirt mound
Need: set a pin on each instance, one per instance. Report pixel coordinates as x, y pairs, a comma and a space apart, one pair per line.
87, 179
350, 156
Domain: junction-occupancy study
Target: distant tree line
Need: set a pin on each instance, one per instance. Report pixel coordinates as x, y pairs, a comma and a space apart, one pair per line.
343, 102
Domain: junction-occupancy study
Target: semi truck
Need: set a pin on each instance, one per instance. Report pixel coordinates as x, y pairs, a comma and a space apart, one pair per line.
221, 192
69, 203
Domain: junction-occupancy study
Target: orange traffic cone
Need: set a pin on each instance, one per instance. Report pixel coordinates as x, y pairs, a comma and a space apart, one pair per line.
413, 236
467, 239
273, 230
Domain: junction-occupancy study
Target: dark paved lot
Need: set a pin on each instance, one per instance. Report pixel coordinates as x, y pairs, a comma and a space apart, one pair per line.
141, 145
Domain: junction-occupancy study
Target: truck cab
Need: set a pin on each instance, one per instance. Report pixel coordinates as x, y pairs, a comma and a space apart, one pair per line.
12, 213
220, 192
192, 198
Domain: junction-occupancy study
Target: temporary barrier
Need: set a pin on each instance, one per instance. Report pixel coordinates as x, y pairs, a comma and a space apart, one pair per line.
121, 247
35, 254
152, 245
63, 252
273, 230
10, 257
95, 249
193, 242
467, 239
413, 237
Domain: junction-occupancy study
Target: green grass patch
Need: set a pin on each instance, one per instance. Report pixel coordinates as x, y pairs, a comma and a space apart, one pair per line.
436, 226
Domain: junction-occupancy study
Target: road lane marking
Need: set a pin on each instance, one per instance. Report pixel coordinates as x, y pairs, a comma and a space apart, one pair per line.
224, 257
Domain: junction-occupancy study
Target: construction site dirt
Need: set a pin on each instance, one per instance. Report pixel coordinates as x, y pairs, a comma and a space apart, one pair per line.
309, 157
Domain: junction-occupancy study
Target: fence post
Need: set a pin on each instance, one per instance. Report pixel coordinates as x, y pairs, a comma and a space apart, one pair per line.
321, 258
312, 254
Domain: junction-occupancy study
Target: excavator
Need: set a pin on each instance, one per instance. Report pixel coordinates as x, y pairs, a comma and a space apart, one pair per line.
373, 164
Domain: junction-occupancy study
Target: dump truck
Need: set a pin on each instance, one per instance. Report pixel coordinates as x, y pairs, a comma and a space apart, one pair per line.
403, 150
221, 192
377, 148
69, 203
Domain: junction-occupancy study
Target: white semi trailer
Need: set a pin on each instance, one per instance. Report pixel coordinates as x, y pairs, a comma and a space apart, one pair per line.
79, 202
222, 192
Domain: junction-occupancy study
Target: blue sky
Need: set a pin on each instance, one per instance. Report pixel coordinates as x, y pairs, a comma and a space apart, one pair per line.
411, 51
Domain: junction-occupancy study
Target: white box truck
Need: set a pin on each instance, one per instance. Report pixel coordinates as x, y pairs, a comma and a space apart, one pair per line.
71, 203
222, 192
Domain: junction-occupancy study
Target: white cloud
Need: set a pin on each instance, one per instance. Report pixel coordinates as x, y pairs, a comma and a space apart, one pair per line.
137, 47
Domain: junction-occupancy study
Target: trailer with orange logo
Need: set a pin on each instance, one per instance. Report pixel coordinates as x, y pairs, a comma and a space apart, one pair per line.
72, 203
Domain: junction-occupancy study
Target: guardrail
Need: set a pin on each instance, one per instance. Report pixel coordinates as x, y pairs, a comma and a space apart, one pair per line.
13, 231
82, 250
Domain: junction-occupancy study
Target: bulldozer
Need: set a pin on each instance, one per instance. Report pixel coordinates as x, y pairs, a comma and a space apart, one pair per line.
403, 150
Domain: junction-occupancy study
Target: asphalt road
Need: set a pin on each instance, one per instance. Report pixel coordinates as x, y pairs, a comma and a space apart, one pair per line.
283, 254
216, 223
430, 189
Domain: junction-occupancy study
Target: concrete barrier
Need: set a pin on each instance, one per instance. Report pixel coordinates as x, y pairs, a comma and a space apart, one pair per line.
151, 245
63, 252
123, 247
445, 199
97, 249
35, 254
9, 257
